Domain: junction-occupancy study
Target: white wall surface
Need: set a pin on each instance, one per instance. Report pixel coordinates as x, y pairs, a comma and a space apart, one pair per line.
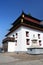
21, 40
11, 46
31, 33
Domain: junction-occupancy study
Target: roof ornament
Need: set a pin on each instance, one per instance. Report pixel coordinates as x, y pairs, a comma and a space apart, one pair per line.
22, 12
23, 15
21, 20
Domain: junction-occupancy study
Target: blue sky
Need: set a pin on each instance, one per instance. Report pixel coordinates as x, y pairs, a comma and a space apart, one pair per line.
11, 9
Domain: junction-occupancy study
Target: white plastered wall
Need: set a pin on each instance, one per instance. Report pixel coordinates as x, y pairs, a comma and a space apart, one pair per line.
31, 33
11, 46
21, 40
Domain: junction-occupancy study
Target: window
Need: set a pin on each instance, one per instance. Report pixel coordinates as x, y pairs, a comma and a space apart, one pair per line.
40, 42
16, 35
13, 35
16, 43
38, 36
27, 41
27, 34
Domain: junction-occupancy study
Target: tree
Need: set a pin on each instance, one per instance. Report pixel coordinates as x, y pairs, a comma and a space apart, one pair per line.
29, 14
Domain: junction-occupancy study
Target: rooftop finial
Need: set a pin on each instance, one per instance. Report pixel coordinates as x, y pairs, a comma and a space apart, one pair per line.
22, 12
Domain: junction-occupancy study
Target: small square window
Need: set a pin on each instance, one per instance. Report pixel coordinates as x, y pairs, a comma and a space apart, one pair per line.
38, 36
16, 35
27, 41
40, 42
13, 35
16, 43
27, 34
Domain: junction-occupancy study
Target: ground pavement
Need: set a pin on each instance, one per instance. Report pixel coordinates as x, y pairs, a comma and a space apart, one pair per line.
6, 58
10, 60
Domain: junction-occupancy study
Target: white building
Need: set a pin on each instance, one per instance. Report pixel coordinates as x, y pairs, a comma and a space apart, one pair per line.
26, 35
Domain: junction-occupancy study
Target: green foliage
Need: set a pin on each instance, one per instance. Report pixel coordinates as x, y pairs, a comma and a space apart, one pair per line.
29, 14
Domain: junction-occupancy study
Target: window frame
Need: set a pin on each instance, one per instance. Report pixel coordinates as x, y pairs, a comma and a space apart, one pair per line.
27, 34
16, 35
38, 36
40, 42
27, 41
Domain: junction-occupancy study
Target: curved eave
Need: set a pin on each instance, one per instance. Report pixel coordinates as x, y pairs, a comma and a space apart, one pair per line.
33, 27
26, 25
16, 23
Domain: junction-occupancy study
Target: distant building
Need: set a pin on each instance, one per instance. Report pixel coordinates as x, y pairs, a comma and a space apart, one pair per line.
26, 35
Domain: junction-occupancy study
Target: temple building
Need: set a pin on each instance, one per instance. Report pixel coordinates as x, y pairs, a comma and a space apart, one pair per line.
25, 35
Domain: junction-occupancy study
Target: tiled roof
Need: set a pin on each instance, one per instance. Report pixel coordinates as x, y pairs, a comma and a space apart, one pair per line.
26, 20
